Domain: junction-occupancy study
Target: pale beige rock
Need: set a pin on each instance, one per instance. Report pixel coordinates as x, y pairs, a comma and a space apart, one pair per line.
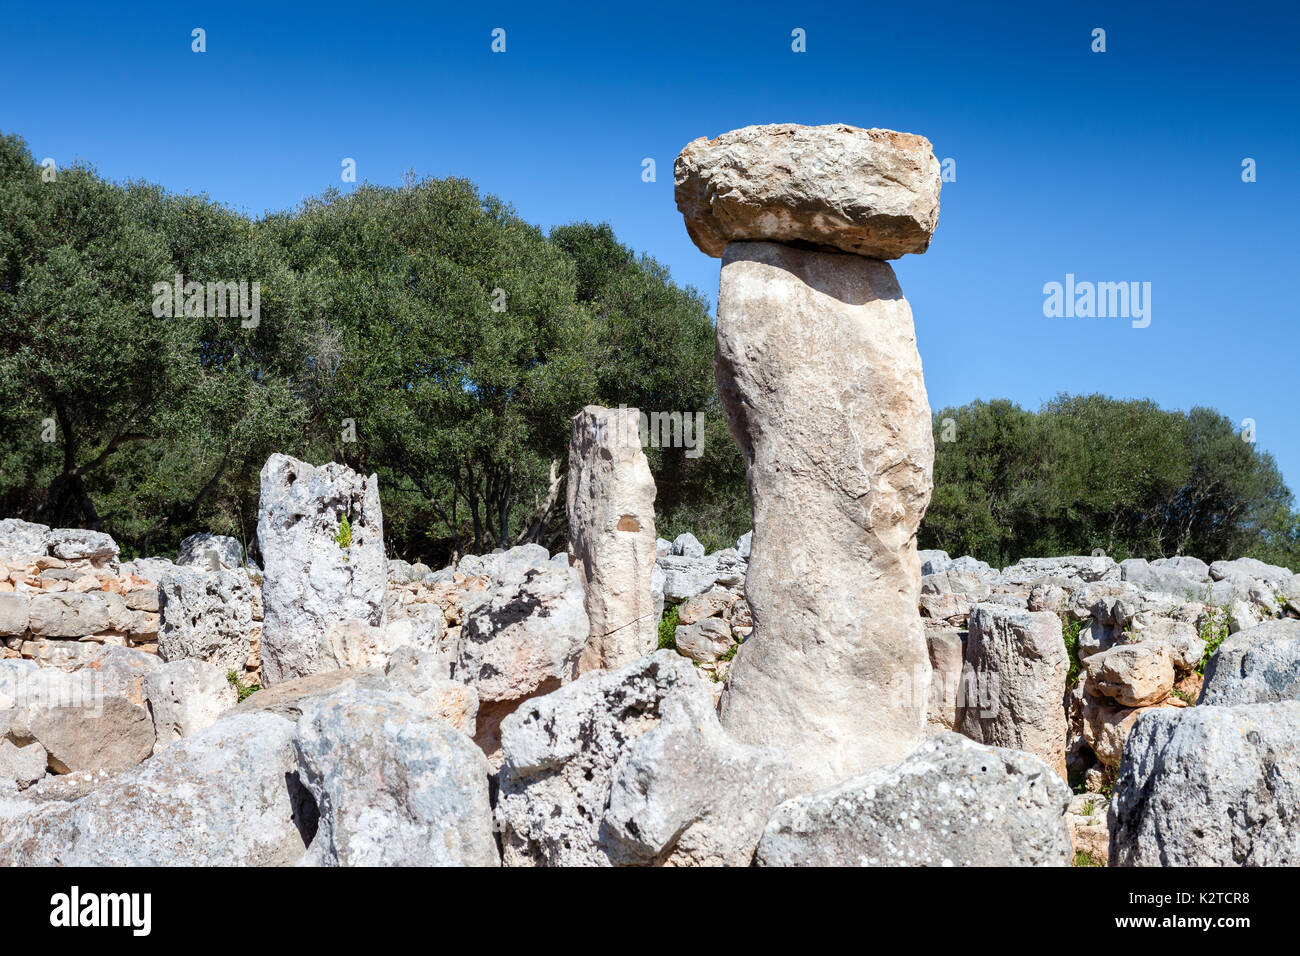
818, 371
14, 611
705, 640
610, 501
1106, 728
1135, 675
872, 192
946, 702
1019, 666
709, 604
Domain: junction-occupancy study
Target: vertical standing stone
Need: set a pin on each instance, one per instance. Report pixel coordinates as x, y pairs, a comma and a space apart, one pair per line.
317, 577
610, 500
819, 374
1016, 686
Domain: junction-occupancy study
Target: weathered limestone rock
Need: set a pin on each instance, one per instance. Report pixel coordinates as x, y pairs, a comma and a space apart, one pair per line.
15, 613
951, 803
1255, 666
228, 796
1179, 638
22, 540
20, 767
1106, 728
872, 192
519, 640
315, 575
1135, 675
71, 614
94, 718
1020, 663
1210, 786
611, 510
818, 370
75, 544
630, 767
705, 640
206, 615
947, 703
212, 552
423, 675
394, 786
184, 697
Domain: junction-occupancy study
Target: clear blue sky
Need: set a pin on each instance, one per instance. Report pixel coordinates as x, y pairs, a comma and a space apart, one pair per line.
1119, 166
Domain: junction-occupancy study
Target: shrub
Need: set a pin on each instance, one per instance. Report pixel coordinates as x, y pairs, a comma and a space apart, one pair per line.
668, 630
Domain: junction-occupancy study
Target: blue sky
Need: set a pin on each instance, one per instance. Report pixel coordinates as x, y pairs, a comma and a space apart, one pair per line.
1115, 166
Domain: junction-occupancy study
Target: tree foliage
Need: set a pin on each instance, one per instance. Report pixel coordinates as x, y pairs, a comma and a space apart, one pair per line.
428, 334
1090, 472
425, 333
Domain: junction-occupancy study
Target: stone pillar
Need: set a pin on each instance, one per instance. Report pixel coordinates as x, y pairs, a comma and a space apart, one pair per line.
1015, 686
819, 374
611, 510
317, 578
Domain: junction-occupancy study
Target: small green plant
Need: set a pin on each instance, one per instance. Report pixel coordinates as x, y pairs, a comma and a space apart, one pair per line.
1084, 858
255, 577
668, 630
1070, 631
344, 537
1090, 808
1183, 695
1107, 783
1213, 631
242, 690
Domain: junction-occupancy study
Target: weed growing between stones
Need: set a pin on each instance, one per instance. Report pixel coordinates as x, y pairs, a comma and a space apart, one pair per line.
244, 691
1213, 631
668, 630
1070, 631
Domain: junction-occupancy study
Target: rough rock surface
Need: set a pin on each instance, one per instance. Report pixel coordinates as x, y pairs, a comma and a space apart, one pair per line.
611, 512
947, 703
75, 544
705, 640
312, 582
207, 616
1106, 728
212, 552
818, 371
23, 539
93, 718
1255, 666
871, 192
951, 803
185, 697
1019, 664
393, 785
20, 767
228, 796
630, 767
1135, 675
1210, 786
519, 640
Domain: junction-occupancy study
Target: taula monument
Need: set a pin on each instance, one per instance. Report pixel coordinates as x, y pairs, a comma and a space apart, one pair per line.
818, 371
